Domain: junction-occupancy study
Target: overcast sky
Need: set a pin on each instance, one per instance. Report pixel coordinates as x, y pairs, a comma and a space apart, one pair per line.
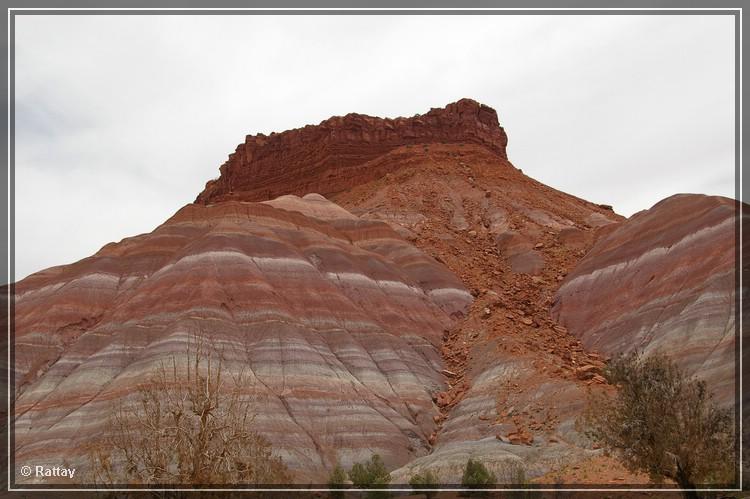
120, 120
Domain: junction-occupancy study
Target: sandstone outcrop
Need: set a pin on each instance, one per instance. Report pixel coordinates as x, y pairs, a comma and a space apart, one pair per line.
403, 310
330, 157
339, 320
664, 280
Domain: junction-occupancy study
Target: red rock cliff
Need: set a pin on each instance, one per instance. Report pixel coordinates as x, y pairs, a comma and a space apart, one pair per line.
330, 157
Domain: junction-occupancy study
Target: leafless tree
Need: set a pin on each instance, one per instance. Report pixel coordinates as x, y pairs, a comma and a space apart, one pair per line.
191, 424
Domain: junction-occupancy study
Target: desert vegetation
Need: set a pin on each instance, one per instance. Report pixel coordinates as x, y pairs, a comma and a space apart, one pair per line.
371, 474
190, 423
477, 476
663, 423
425, 480
337, 480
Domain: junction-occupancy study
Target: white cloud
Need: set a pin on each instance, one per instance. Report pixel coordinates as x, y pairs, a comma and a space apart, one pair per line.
122, 119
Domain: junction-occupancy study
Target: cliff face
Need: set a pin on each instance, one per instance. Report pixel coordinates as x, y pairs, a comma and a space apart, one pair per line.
329, 157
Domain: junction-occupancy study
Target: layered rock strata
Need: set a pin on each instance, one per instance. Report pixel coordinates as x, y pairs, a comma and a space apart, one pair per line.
330, 157
359, 343
663, 281
338, 320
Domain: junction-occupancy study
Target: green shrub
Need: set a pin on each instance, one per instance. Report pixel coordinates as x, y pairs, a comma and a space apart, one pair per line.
425, 480
337, 480
518, 480
477, 476
371, 475
663, 423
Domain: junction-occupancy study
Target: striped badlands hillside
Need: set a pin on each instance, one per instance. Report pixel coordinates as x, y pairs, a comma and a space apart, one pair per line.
664, 280
338, 319
406, 313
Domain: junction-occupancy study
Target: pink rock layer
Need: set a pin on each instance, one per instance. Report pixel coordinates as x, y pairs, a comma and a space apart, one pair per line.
664, 280
337, 319
329, 157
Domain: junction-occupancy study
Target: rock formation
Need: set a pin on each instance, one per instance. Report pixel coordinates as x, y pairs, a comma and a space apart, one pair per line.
407, 312
330, 157
514, 392
664, 281
339, 320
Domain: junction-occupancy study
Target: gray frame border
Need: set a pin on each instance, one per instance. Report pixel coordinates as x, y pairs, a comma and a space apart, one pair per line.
475, 7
